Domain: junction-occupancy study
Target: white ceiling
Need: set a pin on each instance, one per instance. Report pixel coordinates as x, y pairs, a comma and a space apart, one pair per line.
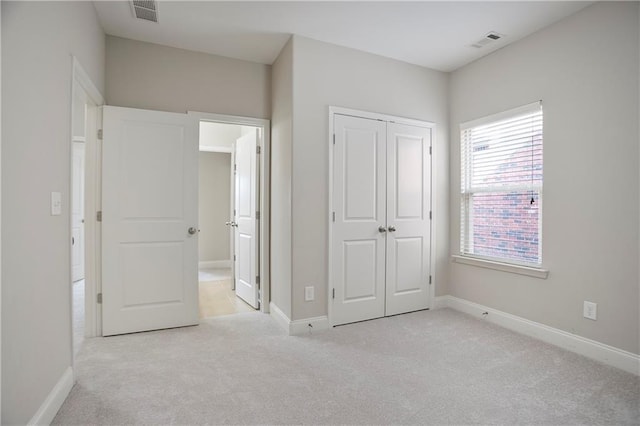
433, 34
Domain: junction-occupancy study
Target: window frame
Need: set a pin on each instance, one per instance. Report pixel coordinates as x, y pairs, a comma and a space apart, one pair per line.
467, 191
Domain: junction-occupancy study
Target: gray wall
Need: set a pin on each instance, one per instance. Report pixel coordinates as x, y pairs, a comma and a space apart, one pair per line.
214, 192
281, 140
38, 40
150, 76
324, 75
585, 69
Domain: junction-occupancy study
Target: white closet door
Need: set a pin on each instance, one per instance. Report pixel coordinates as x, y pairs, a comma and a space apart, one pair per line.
149, 221
246, 232
408, 222
358, 247
77, 212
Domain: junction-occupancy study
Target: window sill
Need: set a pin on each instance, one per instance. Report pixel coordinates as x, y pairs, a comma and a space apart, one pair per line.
499, 266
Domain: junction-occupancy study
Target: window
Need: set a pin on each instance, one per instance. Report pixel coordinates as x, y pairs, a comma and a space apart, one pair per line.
501, 187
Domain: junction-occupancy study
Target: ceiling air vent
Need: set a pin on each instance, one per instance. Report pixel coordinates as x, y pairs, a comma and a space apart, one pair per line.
145, 9
489, 38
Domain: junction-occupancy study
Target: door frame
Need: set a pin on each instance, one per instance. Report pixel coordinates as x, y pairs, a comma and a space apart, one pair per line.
264, 203
332, 112
80, 81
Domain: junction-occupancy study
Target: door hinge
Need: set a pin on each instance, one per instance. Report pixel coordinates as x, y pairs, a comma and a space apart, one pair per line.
257, 215
234, 257
334, 293
258, 149
430, 215
429, 279
334, 138
99, 298
334, 216
258, 280
100, 134
99, 216
430, 151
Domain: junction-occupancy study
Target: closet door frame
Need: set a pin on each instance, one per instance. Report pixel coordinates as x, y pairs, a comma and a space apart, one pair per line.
332, 111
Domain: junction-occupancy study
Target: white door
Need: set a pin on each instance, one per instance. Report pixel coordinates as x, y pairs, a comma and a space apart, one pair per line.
381, 230
408, 222
77, 212
149, 220
359, 200
246, 231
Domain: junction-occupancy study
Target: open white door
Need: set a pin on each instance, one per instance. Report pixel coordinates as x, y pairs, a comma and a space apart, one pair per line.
149, 220
77, 212
246, 232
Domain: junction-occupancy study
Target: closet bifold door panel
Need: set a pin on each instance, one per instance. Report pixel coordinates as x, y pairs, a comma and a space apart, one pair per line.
408, 224
359, 194
381, 226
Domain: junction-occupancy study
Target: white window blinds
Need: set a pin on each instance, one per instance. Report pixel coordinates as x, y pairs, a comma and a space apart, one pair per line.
501, 186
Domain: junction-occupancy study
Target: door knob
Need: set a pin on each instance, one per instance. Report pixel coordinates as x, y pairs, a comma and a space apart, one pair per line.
192, 230
382, 229
235, 225
392, 229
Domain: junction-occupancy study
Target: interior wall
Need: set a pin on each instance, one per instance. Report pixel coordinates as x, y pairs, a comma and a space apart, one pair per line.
281, 140
38, 39
328, 75
150, 76
585, 69
218, 134
214, 189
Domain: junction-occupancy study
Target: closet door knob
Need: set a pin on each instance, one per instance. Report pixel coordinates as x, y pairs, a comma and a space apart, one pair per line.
382, 229
392, 229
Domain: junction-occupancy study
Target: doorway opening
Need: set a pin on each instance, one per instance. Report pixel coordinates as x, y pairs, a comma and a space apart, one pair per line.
84, 196
232, 205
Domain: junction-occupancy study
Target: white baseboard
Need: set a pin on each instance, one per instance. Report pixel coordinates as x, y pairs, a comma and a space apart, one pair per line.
55, 399
609, 355
440, 302
280, 317
214, 264
297, 327
302, 326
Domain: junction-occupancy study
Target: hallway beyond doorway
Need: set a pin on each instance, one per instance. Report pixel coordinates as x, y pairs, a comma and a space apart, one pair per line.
216, 294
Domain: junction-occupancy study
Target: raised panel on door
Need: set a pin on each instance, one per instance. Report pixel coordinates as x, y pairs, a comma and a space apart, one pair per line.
246, 233
408, 221
150, 186
358, 252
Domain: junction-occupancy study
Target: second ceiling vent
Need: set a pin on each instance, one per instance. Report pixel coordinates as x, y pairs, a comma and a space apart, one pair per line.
489, 38
145, 9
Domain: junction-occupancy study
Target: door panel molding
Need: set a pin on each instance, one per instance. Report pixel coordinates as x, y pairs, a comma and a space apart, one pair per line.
407, 153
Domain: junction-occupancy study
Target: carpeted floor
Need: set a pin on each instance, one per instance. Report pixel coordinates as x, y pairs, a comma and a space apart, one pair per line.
429, 367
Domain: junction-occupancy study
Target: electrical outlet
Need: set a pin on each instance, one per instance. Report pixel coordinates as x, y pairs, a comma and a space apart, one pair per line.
590, 310
309, 294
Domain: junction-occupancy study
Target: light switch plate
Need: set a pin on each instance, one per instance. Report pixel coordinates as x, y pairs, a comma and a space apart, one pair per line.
309, 294
56, 204
590, 310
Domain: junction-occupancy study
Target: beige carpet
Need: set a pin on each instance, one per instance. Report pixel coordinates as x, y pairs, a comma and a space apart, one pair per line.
429, 367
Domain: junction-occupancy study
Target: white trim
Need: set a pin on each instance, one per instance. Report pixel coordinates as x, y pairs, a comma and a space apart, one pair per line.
510, 113
301, 326
53, 401
80, 80
440, 302
501, 266
81, 76
280, 317
333, 110
265, 195
214, 264
207, 148
606, 354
